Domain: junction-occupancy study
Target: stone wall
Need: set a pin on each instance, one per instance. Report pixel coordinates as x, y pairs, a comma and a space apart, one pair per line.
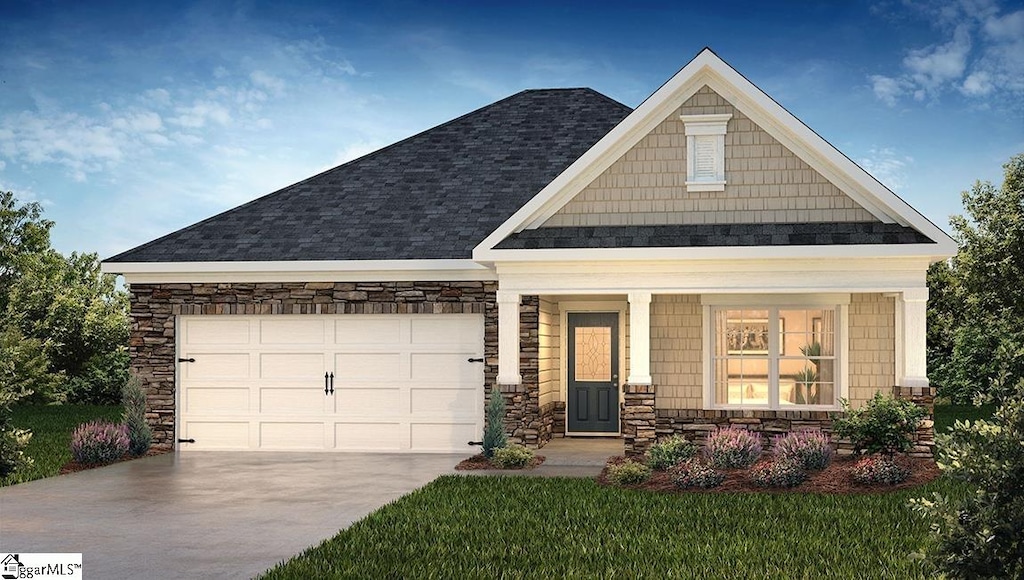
525, 421
643, 423
155, 306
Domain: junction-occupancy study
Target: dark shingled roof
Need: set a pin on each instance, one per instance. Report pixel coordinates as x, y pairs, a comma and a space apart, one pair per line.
434, 195
718, 235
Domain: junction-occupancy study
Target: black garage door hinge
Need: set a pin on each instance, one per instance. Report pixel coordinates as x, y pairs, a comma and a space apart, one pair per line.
186, 360
186, 440
474, 360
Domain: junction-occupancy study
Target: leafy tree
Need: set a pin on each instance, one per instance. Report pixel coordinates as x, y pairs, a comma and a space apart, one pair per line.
23, 233
23, 366
982, 534
978, 297
80, 316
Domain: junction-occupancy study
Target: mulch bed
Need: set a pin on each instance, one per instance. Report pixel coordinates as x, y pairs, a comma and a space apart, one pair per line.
834, 479
74, 466
478, 461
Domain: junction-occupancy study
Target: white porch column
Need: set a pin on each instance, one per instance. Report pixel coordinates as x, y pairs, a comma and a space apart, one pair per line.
639, 338
508, 338
912, 327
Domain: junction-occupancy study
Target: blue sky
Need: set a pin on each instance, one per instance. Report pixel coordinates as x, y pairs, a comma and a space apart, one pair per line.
130, 120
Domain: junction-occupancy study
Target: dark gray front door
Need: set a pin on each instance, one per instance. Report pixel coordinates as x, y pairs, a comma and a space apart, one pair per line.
593, 372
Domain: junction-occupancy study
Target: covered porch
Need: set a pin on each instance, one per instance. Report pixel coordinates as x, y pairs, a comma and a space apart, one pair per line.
592, 356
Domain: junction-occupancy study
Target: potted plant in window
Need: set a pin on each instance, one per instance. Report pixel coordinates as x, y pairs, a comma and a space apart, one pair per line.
806, 379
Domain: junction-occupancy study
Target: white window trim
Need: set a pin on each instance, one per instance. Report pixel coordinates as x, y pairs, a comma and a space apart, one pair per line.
841, 305
711, 128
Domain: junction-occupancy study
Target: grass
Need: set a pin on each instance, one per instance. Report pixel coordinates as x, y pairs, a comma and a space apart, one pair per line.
520, 527
51, 426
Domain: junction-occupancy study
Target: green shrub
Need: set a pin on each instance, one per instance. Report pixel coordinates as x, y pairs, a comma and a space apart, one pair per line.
628, 472
670, 451
732, 448
883, 425
512, 457
695, 473
981, 535
778, 473
809, 449
878, 469
100, 380
140, 436
494, 432
21, 364
99, 442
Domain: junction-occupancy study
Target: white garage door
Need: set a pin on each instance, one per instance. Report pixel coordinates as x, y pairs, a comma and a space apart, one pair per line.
400, 382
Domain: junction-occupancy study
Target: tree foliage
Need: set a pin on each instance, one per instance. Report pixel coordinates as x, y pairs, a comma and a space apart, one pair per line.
74, 313
981, 535
977, 298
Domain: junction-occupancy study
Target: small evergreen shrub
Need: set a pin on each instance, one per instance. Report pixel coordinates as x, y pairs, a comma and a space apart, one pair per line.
494, 432
512, 457
778, 473
695, 473
884, 425
134, 400
810, 450
99, 442
732, 448
876, 469
628, 472
668, 452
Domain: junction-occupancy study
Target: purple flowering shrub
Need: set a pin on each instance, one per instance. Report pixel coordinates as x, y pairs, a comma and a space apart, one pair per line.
99, 442
732, 448
809, 449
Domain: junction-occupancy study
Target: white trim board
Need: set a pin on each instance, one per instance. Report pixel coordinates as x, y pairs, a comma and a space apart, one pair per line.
301, 271
708, 69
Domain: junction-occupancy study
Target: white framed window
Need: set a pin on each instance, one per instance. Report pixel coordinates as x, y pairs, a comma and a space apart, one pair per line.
784, 357
705, 151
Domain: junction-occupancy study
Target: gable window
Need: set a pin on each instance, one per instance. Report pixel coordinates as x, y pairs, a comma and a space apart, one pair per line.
705, 151
784, 357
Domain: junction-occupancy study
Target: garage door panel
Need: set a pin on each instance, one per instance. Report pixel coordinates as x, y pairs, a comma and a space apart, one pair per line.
291, 435
217, 366
371, 436
287, 331
401, 382
379, 402
445, 330
446, 402
368, 330
291, 401
217, 434
446, 368
217, 332
217, 400
443, 436
368, 367
294, 366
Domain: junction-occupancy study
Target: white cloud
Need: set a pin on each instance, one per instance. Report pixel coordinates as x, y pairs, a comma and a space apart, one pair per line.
887, 166
982, 58
267, 81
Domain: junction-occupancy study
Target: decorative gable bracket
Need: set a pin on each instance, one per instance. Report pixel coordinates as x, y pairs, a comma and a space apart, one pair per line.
705, 151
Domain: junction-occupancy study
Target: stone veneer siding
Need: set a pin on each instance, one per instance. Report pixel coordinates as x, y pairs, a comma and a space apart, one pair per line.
643, 423
155, 306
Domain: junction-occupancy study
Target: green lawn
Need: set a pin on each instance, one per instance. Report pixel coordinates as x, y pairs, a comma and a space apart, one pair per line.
514, 527
51, 427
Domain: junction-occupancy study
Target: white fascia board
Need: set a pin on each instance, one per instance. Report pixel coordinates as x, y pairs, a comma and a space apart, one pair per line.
719, 278
707, 68
931, 252
302, 271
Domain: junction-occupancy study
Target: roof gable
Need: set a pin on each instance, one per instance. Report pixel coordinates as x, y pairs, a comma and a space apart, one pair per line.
432, 196
707, 70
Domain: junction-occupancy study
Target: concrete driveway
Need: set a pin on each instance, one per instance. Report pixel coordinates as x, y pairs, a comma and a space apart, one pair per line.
205, 514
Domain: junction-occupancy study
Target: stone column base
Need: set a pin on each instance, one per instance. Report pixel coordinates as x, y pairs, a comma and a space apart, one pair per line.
639, 421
